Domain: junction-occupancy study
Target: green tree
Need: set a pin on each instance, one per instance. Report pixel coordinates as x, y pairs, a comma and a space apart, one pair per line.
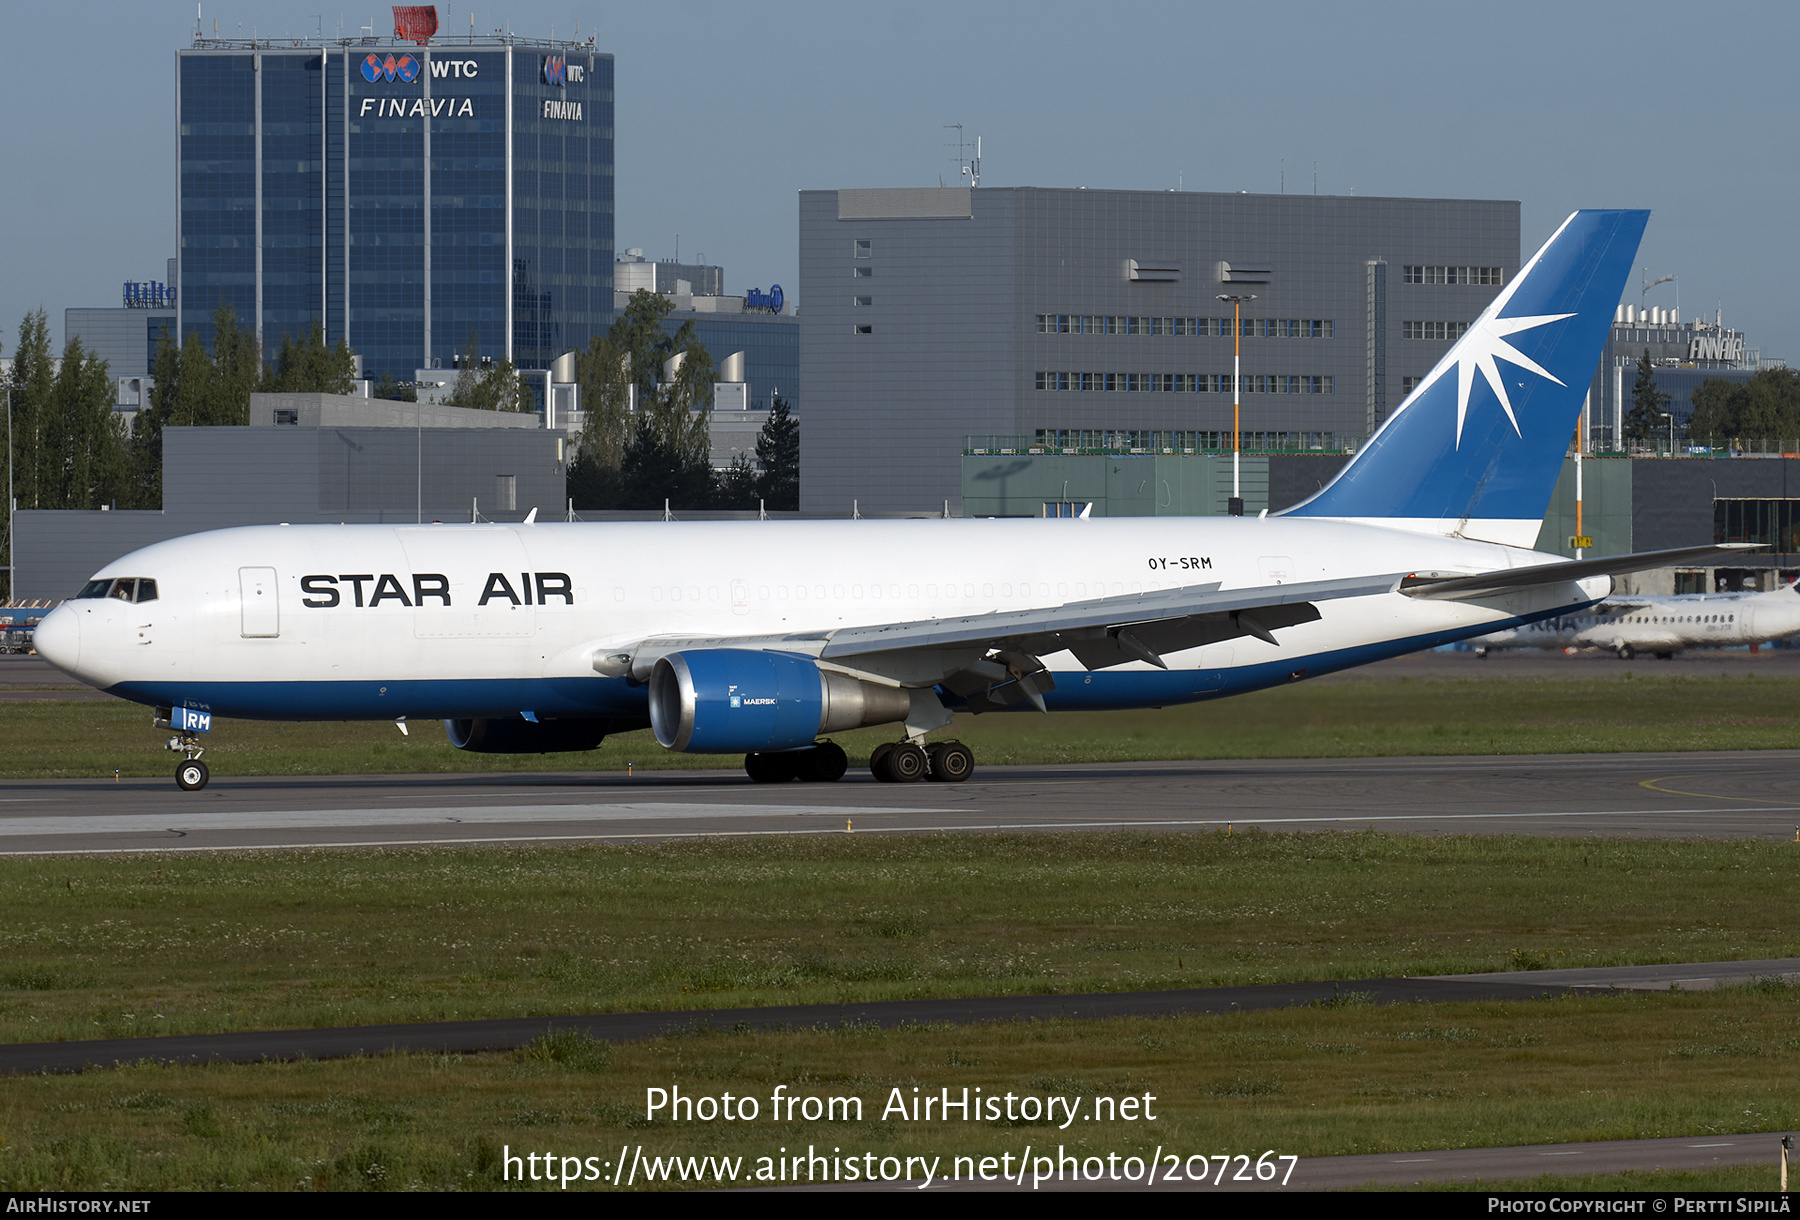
33, 385
607, 423
778, 453
737, 484
656, 470
678, 411
1764, 408
639, 333
308, 366
146, 446
237, 372
391, 390
491, 387
637, 458
1715, 415
1645, 419
84, 441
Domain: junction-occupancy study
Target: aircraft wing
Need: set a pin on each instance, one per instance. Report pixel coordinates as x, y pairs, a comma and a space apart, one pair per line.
1464, 588
980, 652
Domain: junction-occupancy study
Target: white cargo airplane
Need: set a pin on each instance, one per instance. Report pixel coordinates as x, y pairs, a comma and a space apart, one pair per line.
763, 637
1661, 625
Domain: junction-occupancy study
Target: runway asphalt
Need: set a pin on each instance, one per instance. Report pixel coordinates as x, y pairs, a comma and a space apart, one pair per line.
1751, 794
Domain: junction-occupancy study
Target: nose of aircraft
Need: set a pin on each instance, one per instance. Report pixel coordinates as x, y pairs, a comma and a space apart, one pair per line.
58, 639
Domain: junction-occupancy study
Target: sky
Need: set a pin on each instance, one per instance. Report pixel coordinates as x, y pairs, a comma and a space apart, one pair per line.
726, 110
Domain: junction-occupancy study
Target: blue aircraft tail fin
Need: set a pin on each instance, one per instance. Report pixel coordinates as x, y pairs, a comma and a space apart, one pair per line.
1476, 449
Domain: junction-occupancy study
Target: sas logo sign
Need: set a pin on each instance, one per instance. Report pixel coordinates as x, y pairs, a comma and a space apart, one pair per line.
559, 71
375, 68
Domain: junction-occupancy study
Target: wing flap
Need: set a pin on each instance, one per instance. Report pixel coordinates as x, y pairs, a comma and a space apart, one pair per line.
1508, 580
1123, 628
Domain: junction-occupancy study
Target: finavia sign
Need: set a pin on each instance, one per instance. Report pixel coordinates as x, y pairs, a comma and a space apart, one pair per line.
417, 108
771, 300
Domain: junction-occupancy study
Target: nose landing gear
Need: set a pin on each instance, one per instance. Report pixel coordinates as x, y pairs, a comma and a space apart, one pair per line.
191, 775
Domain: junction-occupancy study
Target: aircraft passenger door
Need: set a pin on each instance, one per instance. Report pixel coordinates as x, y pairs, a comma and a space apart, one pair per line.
262, 617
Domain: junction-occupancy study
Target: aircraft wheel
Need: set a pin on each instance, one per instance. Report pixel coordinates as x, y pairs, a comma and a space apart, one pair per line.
771, 768
951, 762
1665, 656
192, 775
1482, 653
1627, 652
823, 764
878, 761
906, 763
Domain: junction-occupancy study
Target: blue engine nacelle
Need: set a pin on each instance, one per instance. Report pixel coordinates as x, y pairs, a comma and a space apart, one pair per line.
514, 736
732, 701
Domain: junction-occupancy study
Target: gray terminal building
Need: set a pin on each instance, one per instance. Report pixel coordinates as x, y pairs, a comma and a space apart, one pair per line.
934, 315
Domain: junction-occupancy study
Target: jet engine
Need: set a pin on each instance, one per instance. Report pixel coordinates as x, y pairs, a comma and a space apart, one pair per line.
732, 701
519, 736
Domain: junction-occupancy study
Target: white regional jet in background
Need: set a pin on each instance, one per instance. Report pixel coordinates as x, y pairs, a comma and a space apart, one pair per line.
762, 638
1662, 625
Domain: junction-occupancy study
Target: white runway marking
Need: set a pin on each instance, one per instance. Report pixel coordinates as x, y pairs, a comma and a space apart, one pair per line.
290, 819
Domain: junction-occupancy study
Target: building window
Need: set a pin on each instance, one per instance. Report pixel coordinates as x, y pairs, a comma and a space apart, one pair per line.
1409, 384
1772, 523
1182, 383
863, 247
862, 273
854, 301
863, 330
1421, 274
1436, 331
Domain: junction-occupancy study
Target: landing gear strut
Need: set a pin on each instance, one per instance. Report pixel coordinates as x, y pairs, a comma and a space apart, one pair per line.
818, 764
902, 762
191, 775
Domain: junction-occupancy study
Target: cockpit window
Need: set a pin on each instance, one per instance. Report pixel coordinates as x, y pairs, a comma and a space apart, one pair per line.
126, 589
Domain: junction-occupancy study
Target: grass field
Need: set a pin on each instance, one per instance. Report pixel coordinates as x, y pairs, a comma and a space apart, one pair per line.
1319, 1081
105, 946
1405, 717
94, 947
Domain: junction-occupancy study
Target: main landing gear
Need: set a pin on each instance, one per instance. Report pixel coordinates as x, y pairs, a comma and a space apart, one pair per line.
904, 762
895, 762
191, 775
817, 764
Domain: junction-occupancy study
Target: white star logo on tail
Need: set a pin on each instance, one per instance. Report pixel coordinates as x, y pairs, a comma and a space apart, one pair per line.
1485, 341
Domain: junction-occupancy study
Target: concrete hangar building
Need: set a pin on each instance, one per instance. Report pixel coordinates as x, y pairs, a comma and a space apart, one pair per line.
413, 193
939, 318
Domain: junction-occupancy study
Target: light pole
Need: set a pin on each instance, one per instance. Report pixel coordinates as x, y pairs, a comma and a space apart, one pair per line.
1236, 505
12, 564
419, 443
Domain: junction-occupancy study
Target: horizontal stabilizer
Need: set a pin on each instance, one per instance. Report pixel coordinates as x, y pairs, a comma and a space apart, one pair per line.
1462, 588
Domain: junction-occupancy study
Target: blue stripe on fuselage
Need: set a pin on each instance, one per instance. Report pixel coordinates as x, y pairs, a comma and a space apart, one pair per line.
474, 698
